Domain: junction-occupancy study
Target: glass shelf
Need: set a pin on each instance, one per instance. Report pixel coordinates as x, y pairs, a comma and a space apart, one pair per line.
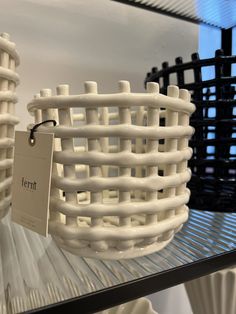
36, 276
219, 13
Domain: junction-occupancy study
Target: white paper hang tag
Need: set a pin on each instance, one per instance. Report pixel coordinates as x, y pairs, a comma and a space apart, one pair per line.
32, 181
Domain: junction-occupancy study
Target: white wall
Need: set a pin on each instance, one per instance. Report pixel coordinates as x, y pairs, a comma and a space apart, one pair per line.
72, 41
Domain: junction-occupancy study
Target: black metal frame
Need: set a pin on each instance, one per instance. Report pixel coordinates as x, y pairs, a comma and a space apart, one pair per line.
226, 45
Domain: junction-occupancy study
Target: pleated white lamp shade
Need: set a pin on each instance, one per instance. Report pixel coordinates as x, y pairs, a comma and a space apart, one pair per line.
213, 294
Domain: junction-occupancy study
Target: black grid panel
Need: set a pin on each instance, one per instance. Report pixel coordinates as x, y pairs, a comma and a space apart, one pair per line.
213, 184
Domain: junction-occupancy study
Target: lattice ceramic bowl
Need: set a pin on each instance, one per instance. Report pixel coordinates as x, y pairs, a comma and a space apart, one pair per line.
9, 79
119, 178
139, 306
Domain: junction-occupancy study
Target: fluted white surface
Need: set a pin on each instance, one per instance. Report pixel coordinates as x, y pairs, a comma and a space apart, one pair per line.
9, 79
122, 165
213, 294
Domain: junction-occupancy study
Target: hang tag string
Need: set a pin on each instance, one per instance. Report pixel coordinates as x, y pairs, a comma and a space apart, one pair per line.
34, 129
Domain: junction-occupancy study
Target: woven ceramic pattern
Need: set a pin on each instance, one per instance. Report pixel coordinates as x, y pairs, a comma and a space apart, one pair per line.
139, 306
9, 79
119, 177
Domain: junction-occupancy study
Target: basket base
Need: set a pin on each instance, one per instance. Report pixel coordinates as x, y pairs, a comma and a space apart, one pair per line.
113, 254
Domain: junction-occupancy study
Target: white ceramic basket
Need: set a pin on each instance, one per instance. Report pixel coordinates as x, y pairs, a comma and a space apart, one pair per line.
213, 294
122, 174
139, 306
9, 79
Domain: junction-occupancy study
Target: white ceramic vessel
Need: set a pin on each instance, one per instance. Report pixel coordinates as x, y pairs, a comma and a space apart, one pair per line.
121, 162
213, 294
139, 306
9, 79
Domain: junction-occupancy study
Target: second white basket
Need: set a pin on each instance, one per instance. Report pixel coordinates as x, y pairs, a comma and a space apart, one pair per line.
9, 79
139, 306
120, 168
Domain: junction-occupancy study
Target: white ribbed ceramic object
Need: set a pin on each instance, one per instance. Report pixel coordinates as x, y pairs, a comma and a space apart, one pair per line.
132, 186
9, 79
213, 294
139, 306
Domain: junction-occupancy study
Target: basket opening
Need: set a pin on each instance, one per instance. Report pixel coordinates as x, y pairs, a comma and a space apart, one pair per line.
172, 79
209, 72
188, 76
